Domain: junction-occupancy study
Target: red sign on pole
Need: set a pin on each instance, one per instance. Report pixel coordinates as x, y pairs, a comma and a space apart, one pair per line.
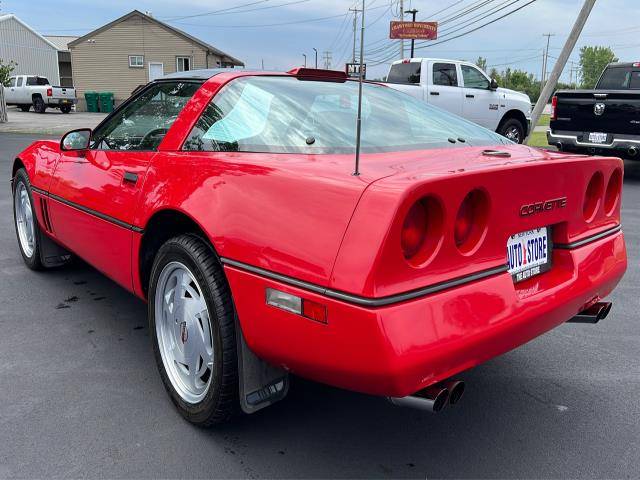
413, 30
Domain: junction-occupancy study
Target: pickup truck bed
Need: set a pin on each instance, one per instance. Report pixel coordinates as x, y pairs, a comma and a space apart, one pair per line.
600, 120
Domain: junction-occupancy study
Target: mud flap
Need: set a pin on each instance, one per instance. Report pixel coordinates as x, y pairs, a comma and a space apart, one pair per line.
261, 384
51, 254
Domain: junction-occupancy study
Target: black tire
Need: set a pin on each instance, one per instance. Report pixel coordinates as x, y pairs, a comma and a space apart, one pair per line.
513, 129
24, 108
38, 105
65, 108
33, 262
221, 401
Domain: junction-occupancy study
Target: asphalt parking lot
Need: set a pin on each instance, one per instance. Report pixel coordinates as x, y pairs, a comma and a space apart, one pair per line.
80, 395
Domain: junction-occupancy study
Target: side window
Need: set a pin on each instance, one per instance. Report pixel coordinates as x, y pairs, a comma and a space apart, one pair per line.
634, 84
12, 82
405, 73
473, 78
32, 81
144, 121
20, 80
445, 74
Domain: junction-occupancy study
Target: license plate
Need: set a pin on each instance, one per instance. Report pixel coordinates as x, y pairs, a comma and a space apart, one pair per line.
529, 253
597, 137
65, 101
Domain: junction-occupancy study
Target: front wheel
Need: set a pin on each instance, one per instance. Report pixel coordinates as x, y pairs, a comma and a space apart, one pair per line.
191, 319
25, 221
513, 129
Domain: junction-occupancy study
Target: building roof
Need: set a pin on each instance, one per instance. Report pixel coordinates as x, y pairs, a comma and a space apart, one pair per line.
201, 74
206, 46
61, 41
4, 18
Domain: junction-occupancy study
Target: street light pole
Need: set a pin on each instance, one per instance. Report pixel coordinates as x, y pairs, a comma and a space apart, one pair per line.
413, 14
305, 59
315, 50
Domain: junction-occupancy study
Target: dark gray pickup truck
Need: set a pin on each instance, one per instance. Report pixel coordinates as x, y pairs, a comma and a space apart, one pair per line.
605, 120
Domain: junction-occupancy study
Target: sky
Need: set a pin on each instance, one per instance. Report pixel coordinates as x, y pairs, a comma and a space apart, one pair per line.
278, 32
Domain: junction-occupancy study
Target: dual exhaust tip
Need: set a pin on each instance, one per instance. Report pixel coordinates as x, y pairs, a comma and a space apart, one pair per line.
434, 398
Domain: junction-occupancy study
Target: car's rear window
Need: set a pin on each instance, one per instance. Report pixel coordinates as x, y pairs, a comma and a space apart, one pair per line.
620, 78
405, 73
287, 115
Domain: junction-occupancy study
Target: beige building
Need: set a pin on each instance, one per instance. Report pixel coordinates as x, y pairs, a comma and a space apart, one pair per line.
133, 50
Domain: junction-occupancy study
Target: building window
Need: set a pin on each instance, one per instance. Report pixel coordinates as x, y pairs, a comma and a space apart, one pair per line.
183, 64
136, 61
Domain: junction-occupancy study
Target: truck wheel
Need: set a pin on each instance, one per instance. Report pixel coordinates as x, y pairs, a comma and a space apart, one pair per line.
191, 320
65, 108
513, 129
24, 108
25, 221
39, 105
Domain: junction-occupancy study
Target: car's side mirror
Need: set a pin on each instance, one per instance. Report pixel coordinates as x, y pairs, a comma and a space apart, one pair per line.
493, 85
76, 140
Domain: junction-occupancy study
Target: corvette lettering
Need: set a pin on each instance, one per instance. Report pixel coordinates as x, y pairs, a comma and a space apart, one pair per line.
539, 207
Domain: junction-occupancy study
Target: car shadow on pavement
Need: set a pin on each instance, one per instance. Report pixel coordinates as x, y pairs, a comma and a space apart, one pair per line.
632, 171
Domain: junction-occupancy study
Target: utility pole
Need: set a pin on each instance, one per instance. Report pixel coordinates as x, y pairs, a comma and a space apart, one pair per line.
401, 19
262, 63
327, 59
413, 13
360, 79
548, 88
355, 26
305, 59
546, 58
316, 52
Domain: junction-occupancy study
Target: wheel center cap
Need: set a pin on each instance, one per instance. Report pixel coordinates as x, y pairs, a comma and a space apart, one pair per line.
184, 333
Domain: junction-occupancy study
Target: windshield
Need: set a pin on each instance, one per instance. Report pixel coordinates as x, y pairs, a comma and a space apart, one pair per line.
287, 115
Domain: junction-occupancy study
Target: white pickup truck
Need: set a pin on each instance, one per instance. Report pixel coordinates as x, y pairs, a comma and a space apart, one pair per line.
25, 91
465, 90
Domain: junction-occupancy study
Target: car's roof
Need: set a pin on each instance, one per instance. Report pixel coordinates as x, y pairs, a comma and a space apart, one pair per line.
205, 73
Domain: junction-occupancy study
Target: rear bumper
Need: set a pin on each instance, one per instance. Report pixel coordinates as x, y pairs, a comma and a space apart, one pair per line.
61, 101
575, 140
400, 348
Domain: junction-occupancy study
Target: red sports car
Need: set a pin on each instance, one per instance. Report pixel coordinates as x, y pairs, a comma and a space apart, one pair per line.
228, 202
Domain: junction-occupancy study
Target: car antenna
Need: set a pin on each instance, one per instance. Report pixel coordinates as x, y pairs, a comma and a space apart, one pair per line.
360, 78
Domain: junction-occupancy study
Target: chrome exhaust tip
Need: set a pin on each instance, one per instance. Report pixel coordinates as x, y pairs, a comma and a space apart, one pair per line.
456, 390
593, 314
431, 399
633, 151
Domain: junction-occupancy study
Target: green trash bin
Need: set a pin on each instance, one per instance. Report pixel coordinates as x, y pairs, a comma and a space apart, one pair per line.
92, 101
106, 102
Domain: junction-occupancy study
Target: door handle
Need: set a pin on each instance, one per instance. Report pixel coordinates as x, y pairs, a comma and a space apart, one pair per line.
434, 93
468, 95
130, 177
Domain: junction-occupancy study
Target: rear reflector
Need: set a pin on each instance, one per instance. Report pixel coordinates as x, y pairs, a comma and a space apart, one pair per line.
294, 304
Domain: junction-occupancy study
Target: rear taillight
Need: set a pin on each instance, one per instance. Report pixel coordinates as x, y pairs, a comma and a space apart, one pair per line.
612, 195
49, 92
414, 230
471, 221
554, 105
593, 196
421, 233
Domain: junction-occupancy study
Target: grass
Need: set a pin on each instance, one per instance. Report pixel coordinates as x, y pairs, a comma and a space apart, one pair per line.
544, 120
538, 139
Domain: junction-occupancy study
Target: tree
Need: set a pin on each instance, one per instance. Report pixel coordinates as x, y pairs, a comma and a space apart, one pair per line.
592, 63
5, 71
482, 63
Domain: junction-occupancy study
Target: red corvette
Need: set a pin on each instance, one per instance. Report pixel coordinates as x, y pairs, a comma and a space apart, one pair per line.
228, 201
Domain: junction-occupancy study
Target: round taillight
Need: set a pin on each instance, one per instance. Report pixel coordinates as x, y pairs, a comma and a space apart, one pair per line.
593, 196
414, 230
421, 233
612, 195
471, 221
